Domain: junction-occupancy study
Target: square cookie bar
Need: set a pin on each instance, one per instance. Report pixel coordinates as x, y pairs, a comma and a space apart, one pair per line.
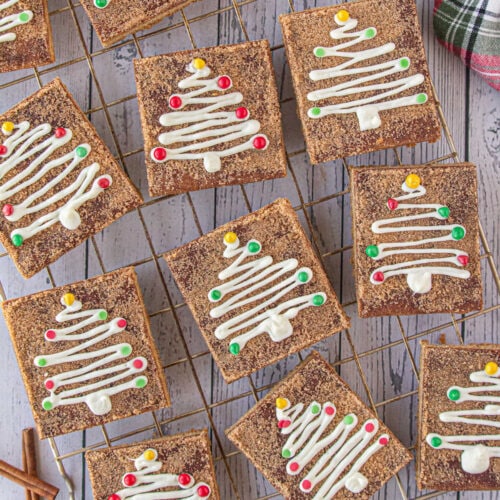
360, 77
86, 353
312, 437
459, 439
179, 466
113, 20
25, 34
210, 117
416, 239
59, 183
257, 290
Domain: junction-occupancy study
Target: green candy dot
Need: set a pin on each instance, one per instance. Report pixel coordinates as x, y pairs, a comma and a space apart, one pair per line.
348, 419
421, 98
369, 33
100, 3
454, 394
215, 295
141, 382
126, 350
303, 276
444, 212
316, 111
24, 17
315, 409
318, 300
47, 405
253, 247
17, 240
457, 233
436, 442
103, 315
41, 362
286, 453
372, 251
234, 349
404, 62
81, 152
319, 52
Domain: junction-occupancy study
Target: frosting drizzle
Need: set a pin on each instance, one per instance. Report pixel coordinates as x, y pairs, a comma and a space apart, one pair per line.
11, 21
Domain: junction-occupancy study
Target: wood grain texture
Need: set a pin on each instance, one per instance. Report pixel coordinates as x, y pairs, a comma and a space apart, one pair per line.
384, 376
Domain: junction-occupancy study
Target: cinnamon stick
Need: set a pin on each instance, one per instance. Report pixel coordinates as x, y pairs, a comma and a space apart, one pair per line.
29, 459
28, 481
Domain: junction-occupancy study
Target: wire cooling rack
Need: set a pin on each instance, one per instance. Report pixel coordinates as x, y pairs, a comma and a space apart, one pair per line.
349, 352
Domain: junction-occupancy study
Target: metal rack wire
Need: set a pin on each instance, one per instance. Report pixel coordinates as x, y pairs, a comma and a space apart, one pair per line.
156, 426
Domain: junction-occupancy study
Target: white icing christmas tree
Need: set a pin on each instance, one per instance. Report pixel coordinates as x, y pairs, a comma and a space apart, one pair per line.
264, 283
149, 484
476, 456
12, 20
340, 452
418, 272
36, 146
97, 381
202, 128
361, 78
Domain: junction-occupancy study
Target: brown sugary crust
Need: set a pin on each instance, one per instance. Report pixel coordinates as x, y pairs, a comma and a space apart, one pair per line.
335, 136
28, 318
33, 44
257, 435
452, 185
196, 266
53, 104
124, 17
182, 453
443, 366
249, 65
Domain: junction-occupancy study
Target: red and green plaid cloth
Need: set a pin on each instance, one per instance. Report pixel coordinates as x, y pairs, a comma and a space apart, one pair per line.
471, 29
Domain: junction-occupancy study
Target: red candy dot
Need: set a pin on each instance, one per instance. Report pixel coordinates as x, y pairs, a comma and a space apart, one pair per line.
175, 102
7, 209
159, 154
122, 323
463, 259
306, 484
392, 204
114, 496
378, 276
103, 183
369, 427
260, 142
241, 113
184, 479
3, 149
50, 334
59, 132
203, 491
282, 424
329, 410
49, 384
129, 480
224, 82
383, 441
294, 466
138, 364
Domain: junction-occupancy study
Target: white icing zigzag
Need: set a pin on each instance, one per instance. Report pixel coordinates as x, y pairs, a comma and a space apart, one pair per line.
419, 271
367, 109
9, 22
341, 455
96, 394
258, 276
24, 144
148, 484
206, 126
475, 458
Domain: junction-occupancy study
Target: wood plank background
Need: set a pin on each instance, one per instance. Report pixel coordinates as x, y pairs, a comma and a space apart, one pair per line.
376, 357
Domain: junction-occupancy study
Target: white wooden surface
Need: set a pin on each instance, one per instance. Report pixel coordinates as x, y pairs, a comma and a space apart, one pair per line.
472, 110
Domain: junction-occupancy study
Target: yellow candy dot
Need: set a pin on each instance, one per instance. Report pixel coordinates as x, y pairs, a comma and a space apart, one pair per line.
230, 238
198, 63
413, 181
343, 15
281, 403
491, 368
149, 455
68, 298
7, 127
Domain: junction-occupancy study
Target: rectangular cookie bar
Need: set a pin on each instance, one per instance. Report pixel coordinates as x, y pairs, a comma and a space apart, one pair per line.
86, 353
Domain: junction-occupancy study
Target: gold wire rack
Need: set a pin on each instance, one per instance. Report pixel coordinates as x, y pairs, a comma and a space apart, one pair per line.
305, 207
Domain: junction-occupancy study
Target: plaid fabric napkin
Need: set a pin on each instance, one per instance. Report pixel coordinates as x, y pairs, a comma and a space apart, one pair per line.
471, 29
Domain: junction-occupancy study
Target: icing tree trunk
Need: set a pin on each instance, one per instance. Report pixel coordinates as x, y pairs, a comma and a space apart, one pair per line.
36, 146
94, 383
202, 128
261, 282
476, 456
340, 452
362, 79
149, 484
11, 21
419, 271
